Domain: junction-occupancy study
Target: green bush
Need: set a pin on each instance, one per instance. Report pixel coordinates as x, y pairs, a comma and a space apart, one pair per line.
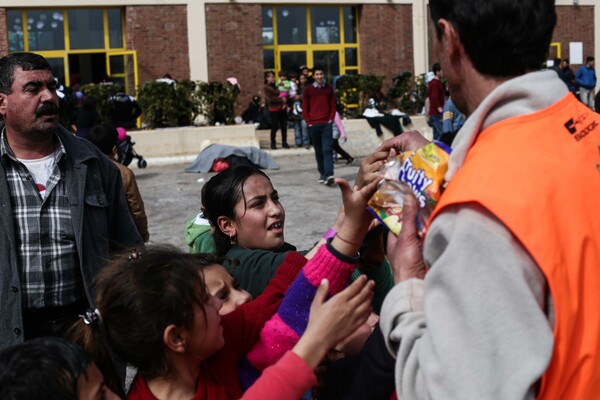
216, 102
408, 94
102, 94
354, 91
166, 105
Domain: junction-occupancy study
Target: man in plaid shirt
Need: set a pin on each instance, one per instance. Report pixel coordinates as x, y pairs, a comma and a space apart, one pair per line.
62, 208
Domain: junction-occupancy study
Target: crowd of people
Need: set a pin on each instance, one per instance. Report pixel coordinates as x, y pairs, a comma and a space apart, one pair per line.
308, 102
498, 300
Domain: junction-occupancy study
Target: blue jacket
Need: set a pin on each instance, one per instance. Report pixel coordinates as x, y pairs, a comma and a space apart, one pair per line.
101, 222
586, 77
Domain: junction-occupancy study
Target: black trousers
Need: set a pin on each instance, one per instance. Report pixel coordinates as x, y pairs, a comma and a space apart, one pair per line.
278, 121
338, 149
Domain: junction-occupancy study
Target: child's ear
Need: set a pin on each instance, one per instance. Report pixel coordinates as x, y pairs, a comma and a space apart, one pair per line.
175, 338
226, 226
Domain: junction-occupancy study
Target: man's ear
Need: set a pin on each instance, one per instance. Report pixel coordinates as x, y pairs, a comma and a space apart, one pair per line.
226, 226
3, 100
175, 338
450, 39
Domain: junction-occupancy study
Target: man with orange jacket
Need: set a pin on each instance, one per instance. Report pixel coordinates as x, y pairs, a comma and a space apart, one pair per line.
501, 301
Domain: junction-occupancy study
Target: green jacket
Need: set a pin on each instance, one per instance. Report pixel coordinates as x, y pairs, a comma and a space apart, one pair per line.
198, 235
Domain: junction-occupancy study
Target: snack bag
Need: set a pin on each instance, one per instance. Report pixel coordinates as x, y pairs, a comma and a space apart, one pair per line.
420, 172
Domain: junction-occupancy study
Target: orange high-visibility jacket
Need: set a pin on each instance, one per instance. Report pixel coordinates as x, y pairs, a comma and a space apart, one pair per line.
539, 174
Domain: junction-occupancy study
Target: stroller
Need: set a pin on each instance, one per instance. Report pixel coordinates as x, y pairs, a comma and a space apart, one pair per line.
126, 153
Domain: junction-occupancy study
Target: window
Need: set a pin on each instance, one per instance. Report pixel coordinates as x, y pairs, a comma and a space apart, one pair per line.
45, 30
291, 25
310, 35
325, 24
115, 28
15, 30
86, 29
77, 42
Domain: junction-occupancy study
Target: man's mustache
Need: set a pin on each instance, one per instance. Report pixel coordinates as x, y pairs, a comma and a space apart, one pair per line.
47, 109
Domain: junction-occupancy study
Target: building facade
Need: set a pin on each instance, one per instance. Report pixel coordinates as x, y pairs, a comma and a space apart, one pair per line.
133, 41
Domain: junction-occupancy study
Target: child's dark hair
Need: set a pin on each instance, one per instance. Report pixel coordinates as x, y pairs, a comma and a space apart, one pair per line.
46, 367
219, 197
138, 295
104, 136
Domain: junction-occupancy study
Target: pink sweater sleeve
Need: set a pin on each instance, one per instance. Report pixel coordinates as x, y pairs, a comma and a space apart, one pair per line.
284, 329
289, 378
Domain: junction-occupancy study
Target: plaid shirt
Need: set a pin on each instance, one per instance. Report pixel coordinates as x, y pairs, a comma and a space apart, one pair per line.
46, 249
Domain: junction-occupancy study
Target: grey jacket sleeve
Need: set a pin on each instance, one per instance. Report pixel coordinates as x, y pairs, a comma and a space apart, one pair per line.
478, 326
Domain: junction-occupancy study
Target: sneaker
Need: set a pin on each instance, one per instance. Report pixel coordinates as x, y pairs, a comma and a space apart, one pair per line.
349, 161
307, 147
273, 147
285, 146
329, 180
321, 179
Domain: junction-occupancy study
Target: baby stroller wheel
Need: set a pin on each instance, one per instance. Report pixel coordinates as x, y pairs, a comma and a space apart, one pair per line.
142, 163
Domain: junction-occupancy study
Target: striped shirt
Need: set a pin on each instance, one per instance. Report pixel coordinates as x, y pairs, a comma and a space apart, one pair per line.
46, 248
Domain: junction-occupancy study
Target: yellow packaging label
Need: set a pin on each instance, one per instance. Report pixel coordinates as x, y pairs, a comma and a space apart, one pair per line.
419, 172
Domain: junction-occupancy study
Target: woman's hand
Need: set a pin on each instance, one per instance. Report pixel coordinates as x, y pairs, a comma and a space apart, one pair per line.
357, 219
332, 321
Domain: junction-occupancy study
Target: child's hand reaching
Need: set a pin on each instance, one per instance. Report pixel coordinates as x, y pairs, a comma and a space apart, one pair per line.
357, 219
332, 321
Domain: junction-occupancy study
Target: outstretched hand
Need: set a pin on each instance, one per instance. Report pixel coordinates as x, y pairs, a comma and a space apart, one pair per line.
405, 252
355, 203
332, 321
407, 141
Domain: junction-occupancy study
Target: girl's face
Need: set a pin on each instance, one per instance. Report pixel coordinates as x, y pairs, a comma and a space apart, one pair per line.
270, 78
224, 287
206, 334
259, 216
90, 386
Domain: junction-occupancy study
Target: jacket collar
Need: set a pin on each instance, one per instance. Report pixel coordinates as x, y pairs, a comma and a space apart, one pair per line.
75, 148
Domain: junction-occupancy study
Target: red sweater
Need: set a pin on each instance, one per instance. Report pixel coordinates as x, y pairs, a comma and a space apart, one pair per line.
218, 378
318, 104
436, 97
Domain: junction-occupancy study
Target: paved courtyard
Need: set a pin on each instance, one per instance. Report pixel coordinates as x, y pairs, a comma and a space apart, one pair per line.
172, 197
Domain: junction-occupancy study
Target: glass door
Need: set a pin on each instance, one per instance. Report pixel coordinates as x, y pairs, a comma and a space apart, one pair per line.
329, 60
290, 61
122, 68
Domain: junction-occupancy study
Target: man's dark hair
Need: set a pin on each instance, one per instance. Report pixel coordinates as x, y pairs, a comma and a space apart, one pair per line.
436, 68
566, 60
317, 68
104, 136
24, 61
589, 59
494, 31
45, 367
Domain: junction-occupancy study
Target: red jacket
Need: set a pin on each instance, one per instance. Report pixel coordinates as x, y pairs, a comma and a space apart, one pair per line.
218, 379
436, 97
318, 104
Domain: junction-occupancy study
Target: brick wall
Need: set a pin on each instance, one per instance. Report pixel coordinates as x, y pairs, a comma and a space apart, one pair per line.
159, 34
575, 24
3, 33
234, 41
386, 40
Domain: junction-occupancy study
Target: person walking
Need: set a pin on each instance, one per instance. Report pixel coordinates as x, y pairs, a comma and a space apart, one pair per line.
586, 79
501, 299
436, 101
277, 110
318, 105
63, 208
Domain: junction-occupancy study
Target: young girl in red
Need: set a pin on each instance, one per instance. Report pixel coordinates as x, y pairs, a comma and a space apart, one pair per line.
157, 315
